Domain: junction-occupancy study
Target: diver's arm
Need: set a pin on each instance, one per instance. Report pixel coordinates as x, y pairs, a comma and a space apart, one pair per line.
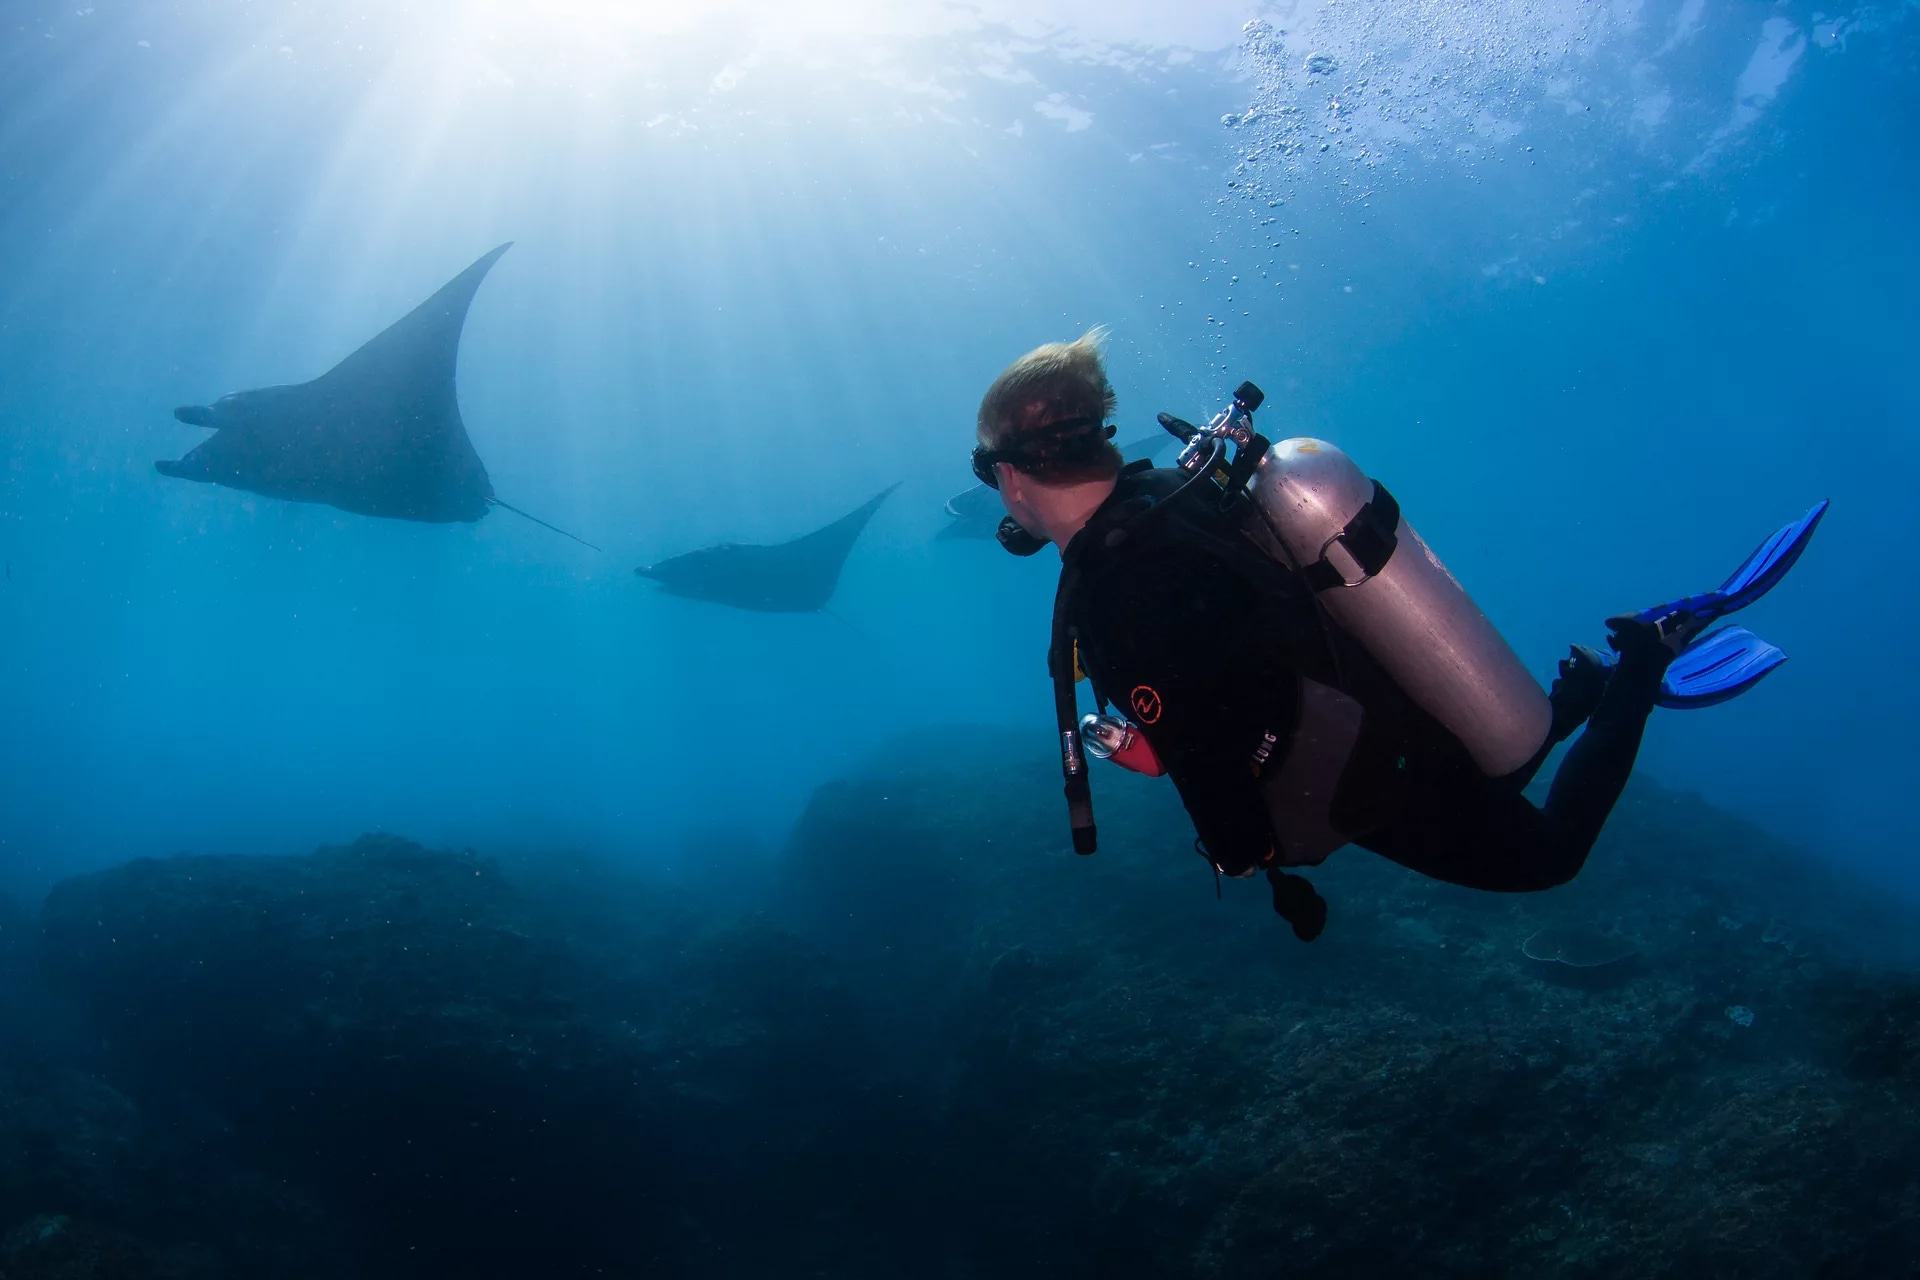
1172, 629
1235, 832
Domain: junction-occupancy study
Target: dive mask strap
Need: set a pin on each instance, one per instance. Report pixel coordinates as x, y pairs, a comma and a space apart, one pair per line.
1063, 441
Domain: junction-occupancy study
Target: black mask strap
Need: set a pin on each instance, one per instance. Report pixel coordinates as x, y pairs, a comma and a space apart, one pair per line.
1070, 440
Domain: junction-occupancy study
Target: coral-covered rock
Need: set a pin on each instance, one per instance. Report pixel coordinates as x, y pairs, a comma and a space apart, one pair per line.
936, 1042
374, 1022
470, 1078
1151, 1082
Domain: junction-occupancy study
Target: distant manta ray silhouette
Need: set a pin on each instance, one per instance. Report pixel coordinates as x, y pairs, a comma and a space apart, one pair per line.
379, 434
787, 577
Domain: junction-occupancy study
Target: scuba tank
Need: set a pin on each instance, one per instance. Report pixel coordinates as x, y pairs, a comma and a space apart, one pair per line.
1386, 588
1344, 533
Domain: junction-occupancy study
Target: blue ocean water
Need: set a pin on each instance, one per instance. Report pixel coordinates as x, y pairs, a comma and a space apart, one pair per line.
623, 934
1604, 291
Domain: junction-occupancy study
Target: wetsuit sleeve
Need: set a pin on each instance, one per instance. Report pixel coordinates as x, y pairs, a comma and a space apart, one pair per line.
1176, 645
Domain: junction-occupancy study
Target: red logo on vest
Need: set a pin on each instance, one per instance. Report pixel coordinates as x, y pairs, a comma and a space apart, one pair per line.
1146, 703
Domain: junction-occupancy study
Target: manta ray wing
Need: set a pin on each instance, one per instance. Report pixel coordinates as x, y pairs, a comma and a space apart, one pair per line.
379, 434
787, 577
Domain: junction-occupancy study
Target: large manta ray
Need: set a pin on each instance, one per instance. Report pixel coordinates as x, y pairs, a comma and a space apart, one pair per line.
976, 512
788, 577
379, 434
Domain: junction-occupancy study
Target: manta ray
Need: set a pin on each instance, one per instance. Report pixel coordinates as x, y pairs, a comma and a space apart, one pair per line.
787, 577
379, 434
976, 512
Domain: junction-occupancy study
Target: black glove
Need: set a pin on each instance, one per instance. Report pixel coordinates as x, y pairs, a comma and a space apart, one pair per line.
1299, 905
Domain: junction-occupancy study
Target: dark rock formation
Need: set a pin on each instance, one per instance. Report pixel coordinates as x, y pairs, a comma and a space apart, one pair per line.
935, 1043
416, 1043
1151, 1082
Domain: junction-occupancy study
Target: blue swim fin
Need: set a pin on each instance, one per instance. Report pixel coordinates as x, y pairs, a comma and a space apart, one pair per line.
1720, 665
1713, 669
1756, 576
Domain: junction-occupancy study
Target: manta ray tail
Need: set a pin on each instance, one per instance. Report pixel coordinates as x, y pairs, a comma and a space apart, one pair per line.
542, 523
849, 626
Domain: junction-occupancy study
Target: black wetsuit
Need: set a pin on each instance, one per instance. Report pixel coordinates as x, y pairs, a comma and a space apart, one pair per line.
1201, 639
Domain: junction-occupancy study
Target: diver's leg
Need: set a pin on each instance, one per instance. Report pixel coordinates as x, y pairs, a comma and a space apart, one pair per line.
1457, 824
1575, 695
1591, 778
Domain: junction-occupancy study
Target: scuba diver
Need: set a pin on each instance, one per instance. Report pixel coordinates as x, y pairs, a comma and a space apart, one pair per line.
1286, 648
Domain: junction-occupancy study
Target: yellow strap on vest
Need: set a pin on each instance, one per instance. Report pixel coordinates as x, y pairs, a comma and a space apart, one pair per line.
1079, 672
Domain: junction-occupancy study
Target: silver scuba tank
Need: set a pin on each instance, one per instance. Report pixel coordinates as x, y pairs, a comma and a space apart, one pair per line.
1381, 583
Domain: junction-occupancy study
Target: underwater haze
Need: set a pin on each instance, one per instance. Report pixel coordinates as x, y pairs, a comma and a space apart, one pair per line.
1604, 291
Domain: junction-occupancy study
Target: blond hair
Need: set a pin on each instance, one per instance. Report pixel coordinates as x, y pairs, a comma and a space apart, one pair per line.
1049, 385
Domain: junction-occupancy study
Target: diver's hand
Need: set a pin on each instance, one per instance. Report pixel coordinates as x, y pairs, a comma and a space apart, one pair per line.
1299, 904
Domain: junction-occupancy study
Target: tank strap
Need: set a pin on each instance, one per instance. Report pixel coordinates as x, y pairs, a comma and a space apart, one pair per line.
1369, 540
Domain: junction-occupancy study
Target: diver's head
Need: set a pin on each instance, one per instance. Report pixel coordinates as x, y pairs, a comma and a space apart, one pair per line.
1043, 437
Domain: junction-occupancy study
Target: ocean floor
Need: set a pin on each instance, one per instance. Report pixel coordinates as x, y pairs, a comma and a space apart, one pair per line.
925, 1040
